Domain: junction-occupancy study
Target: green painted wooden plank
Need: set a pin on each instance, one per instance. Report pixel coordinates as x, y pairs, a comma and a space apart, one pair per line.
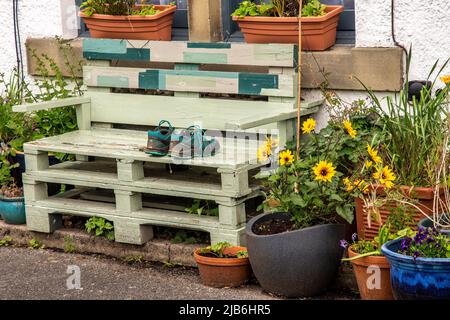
110, 46
199, 57
150, 79
252, 83
131, 54
114, 82
186, 66
209, 45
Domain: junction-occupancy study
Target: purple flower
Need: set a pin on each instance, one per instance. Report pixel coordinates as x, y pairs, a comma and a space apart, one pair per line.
354, 237
6, 100
343, 244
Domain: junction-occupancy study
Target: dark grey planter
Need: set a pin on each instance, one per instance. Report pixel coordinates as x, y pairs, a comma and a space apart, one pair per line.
300, 263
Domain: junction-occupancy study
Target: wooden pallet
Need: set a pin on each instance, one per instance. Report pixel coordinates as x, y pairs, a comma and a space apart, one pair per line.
241, 105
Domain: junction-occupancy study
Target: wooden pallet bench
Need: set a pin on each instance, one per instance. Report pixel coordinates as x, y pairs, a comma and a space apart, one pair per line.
113, 159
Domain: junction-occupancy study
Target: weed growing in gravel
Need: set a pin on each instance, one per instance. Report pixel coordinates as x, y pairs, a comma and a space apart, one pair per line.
69, 247
6, 241
35, 244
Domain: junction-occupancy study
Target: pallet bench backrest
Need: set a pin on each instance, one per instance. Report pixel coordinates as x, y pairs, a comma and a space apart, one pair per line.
193, 87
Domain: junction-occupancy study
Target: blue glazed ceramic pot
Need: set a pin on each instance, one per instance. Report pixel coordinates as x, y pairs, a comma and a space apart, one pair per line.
424, 278
12, 210
427, 223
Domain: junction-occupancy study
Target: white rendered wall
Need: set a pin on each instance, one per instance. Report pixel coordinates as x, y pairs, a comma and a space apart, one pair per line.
423, 24
42, 18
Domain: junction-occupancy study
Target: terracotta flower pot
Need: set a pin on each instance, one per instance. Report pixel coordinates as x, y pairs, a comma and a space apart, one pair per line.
423, 195
362, 274
223, 272
155, 27
318, 33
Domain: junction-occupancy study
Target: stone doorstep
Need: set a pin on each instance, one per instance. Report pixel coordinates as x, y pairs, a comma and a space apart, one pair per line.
156, 250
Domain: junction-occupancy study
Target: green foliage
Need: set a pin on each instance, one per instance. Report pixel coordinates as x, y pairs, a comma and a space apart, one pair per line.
426, 243
69, 247
6, 166
134, 259
313, 9
100, 227
414, 131
35, 244
280, 8
118, 8
6, 241
183, 237
202, 207
218, 250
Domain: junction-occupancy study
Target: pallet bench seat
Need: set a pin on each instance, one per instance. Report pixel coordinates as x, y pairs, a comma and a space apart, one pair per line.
110, 157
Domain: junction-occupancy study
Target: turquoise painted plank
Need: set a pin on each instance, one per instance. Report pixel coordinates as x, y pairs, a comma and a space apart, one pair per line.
200, 57
252, 83
131, 54
186, 66
209, 45
113, 82
149, 79
111, 46
202, 74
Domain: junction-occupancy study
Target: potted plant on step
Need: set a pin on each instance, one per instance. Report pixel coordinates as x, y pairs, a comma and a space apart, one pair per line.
413, 136
223, 265
277, 22
124, 19
12, 206
294, 247
420, 265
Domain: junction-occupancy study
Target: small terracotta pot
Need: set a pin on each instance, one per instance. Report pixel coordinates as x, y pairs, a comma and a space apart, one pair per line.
223, 272
155, 27
423, 195
318, 33
362, 274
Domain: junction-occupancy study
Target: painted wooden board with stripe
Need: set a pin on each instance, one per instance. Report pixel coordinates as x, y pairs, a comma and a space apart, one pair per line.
191, 81
268, 55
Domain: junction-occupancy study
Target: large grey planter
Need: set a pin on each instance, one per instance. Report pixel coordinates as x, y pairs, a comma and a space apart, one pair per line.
300, 263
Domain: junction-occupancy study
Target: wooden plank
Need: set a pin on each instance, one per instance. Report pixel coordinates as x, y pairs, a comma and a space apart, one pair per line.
190, 80
51, 104
182, 112
126, 145
101, 174
267, 55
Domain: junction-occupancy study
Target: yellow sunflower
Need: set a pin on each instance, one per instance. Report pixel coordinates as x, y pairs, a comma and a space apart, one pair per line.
309, 125
368, 164
271, 143
362, 185
263, 153
373, 154
348, 185
349, 128
445, 79
385, 176
324, 171
286, 158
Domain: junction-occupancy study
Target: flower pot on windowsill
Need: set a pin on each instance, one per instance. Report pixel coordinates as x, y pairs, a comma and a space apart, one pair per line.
137, 27
318, 33
370, 286
223, 272
423, 195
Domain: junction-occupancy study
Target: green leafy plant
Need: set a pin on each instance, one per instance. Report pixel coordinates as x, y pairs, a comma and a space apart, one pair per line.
69, 247
183, 237
249, 8
6, 241
313, 9
414, 130
118, 7
218, 251
35, 244
100, 227
202, 207
280, 8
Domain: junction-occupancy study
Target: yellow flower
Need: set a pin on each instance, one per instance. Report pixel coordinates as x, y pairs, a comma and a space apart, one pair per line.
361, 185
349, 128
324, 171
445, 79
263, 153
373, 154
385, 176
286, 158
271, 143
348, 185
368, 164
309, 125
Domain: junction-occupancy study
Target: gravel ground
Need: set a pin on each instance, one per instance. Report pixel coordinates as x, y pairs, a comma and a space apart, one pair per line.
42, 274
